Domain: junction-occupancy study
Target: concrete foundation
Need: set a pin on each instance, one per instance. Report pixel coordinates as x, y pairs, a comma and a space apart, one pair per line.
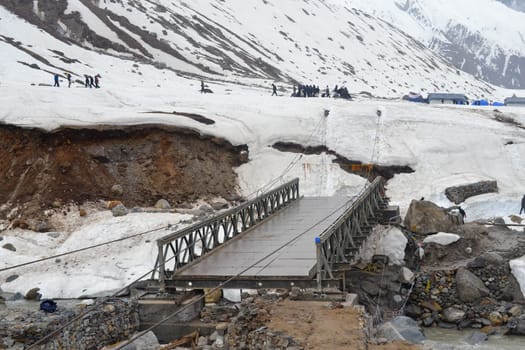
182, 310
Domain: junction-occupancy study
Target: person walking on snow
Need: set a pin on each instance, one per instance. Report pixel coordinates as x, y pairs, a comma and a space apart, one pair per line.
274, 89
57, 83
68, 77
522, 205
463, 214
97, 79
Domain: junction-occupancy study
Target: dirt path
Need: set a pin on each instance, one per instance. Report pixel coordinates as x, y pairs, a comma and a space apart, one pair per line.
316, 326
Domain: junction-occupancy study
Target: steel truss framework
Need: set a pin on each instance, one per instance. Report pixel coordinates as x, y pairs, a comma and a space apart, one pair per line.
341, 241
186, 246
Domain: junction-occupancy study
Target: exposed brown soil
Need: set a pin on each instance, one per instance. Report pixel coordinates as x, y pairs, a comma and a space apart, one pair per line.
44, 169
368, 171
315, 326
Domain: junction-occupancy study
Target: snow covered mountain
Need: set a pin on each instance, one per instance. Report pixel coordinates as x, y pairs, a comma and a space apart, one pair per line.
324, 42
515, 4
484, 38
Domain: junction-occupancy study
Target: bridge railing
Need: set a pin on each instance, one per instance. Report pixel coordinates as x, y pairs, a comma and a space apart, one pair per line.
341, 240
189, 244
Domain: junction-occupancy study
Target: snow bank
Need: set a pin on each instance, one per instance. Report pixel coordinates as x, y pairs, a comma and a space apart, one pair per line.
517, 267
442, 238
93, 272
385, 241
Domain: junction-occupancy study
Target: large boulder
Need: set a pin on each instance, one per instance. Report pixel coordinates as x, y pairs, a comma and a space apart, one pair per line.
406, 275
162, 204
476, 338
512, 292
517, 326
458, 194
120, 210
401, 328
387, 241
425, 217
470, 288
453, 315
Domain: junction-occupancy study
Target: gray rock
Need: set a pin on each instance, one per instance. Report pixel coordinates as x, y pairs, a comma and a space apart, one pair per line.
41, 226
406, 276
397, 301
213, 336
206, 209
476, 338
11, 278
447, 325
370, 288
453, 315
413, 311
401, 328
17, 296
33, 294
120, 210
484, 322
458, 194
117, 190
477, 263
147, 342
425, 217
493, 258
512, 292
53, 234
219, 204
162, 204
9, 246
501, 223
515, 311
465, 324
469, 287
202, 341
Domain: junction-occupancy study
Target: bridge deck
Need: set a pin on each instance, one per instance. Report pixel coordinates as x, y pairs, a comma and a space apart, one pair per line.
296, 260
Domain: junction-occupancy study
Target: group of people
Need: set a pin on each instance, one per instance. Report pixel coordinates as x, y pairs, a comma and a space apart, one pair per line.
306, 91
314, 91
92, 82
89, 81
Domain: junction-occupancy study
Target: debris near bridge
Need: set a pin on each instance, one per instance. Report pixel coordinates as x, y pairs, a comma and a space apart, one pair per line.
111, 320
271, 320
465, 278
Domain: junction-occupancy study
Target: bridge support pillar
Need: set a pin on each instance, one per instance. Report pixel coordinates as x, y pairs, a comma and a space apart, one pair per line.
153, 309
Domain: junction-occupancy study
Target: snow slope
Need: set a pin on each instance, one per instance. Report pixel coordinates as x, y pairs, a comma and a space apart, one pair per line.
251, 42
445, 145
484, 38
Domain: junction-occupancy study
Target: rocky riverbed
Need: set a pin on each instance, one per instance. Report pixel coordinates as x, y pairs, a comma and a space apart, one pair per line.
455, 275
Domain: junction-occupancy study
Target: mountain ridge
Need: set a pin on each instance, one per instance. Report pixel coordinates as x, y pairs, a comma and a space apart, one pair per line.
321, 42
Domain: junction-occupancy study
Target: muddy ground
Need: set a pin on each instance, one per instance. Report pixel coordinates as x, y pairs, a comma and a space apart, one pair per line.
42, 170
316, 326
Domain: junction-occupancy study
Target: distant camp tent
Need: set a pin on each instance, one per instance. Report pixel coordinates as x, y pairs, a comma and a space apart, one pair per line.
515, 101
481, 103
498, 104
445, 98
415, 97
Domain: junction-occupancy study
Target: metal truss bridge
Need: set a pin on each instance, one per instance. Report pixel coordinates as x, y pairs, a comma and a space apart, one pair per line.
276, 240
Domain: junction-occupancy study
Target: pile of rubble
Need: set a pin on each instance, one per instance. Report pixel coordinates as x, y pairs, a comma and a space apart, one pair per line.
110, 320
